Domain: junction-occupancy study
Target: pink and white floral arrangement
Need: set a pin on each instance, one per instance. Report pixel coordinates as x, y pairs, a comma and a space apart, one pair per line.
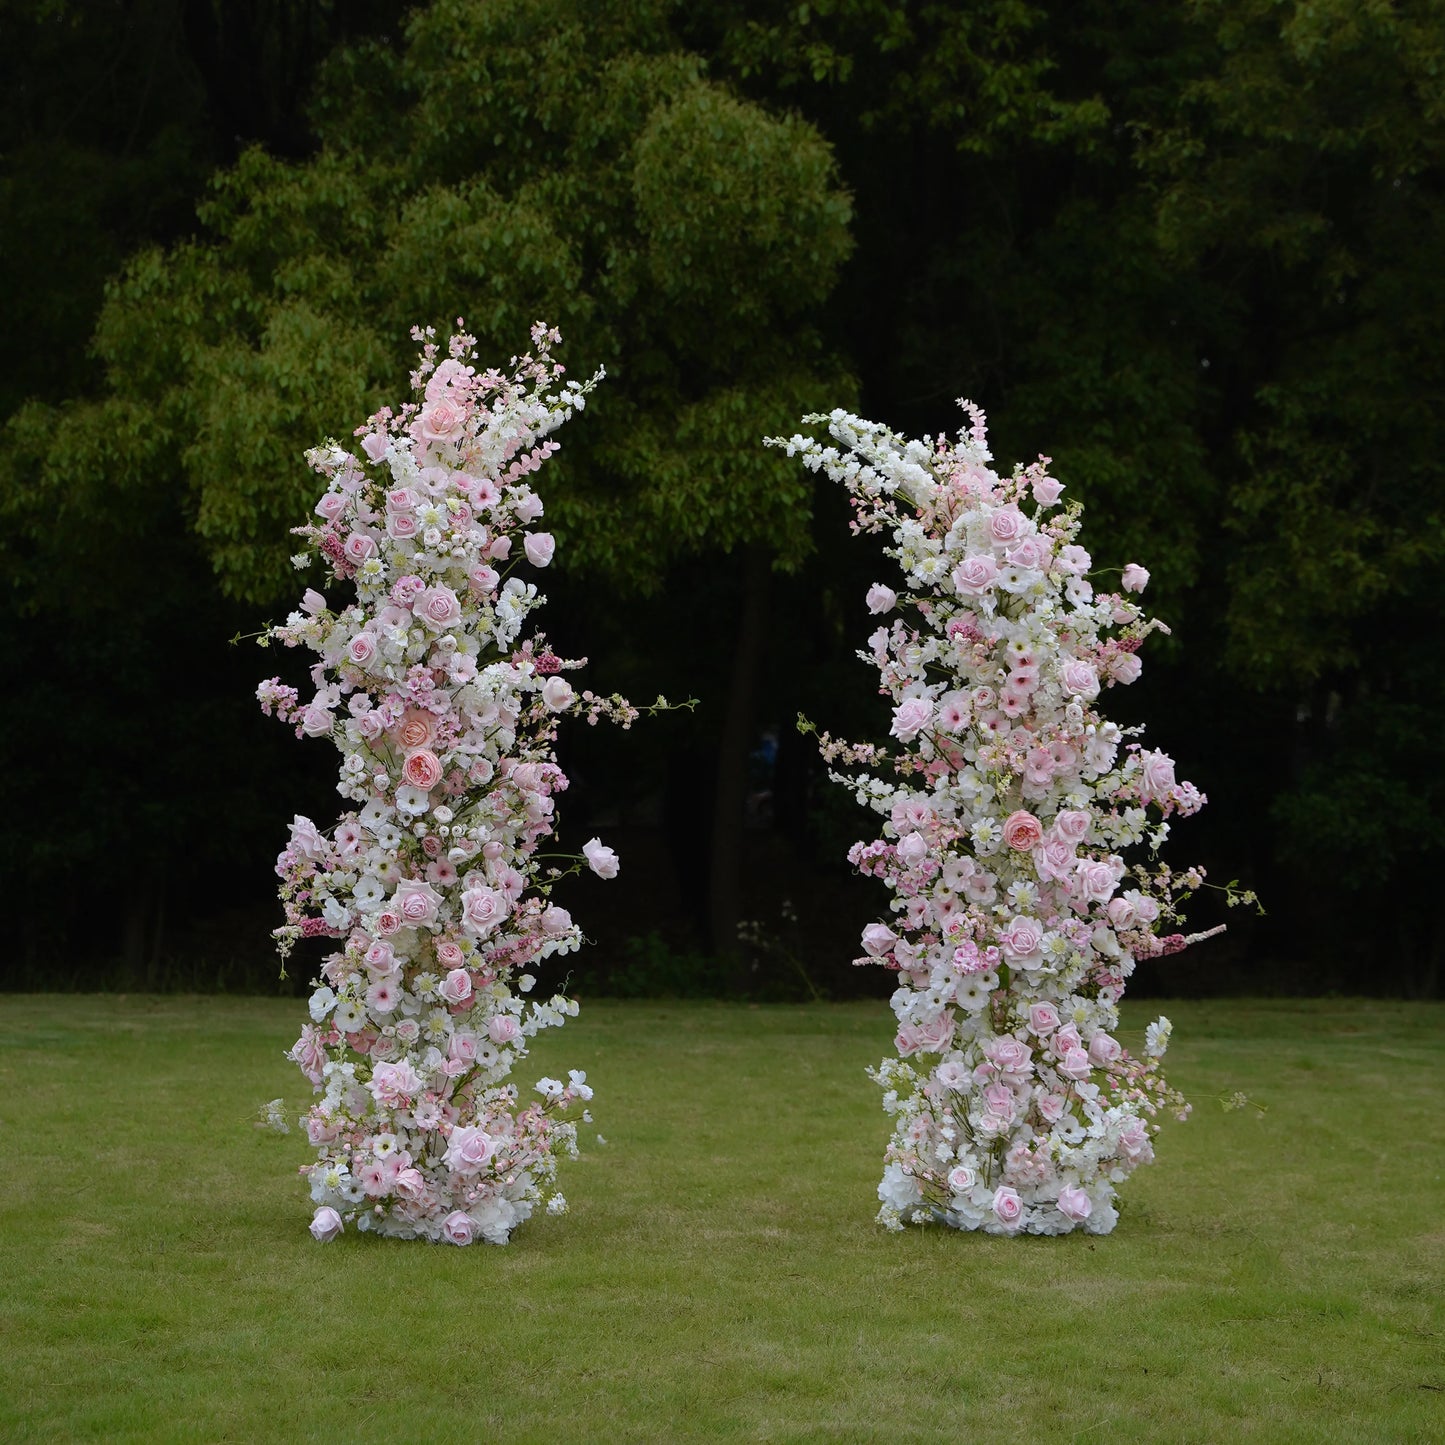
432, 883
1008, 803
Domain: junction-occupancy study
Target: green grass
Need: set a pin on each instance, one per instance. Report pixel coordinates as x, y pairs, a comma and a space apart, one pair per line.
1273, 1278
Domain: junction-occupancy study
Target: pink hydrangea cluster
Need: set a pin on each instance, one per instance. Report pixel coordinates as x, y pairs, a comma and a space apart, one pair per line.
431, 884
1008, 803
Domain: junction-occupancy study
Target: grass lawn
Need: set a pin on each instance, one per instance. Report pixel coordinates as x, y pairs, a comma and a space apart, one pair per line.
1273, 1278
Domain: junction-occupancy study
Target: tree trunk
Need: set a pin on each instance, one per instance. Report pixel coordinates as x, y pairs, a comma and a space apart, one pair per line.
730, 797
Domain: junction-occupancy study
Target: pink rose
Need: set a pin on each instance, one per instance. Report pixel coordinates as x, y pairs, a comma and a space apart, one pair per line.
1023, 938
1006, 525
881, 598
469, 1150
361, 649
401, 525
1136, 578
422, 769
1047, 491
326, 1224
374, 444
1008, 1208
600, 859
449, 954
462, 1047
910, 717
358, 547
438, 608
440, 421
1134, 1142
1043, 1018
416, 902
457, 1228
1008, 1055
317, 721
332, 505
1054, 859
962, 1178
555, 920
1122, 913
416, 729
557, 694
483, 579
936, 1036
1157, 776
1103, 1049
878, 939
1094, 881
482, 910
1125, 667
504, 1029
1080, 679
1074, 1064
1030, 553
912, 849
411, 1184
1074, 1204
1022, 831
1073, 824
401, 499
379, 957
395, 1085
539, 547
456, 987
975, 575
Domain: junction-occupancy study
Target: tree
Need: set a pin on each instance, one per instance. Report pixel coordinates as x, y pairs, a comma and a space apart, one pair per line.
512, 161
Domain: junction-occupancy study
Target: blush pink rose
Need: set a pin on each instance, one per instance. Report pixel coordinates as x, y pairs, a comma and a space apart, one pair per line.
555, 920
878, 939
438, 608
358, 547
1047, 491
504, 1029
600, 859
374, 444
361, 649
331, 506
1136, 578
1043, 1018
1073, 824
456, 987
557, 694
1074, 1064
539, 547
1157, 776
416, 902
1074, 1204
975, 575
1008, 1208
469, 1150
457, 1228
1104, 1049
1006, 525
1022, 831
962, 1178
881, 598
326, 1224
910, 717
440, 421
1080, 678
449, 954
482, 910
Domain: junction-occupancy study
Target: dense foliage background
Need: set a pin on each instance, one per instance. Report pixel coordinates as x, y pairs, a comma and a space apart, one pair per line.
1189, 250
